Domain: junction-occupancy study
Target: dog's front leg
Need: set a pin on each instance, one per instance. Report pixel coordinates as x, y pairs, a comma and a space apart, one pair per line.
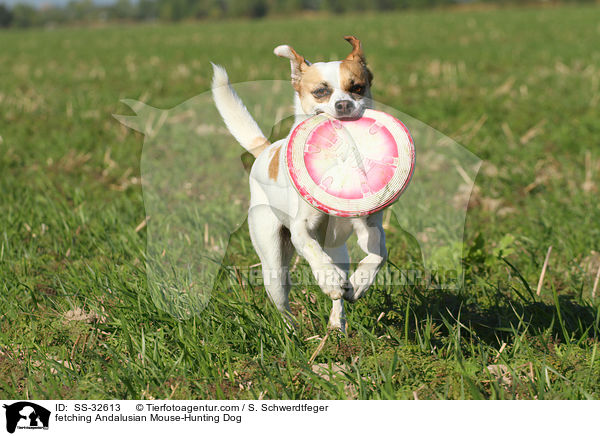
330, 278
339, 256
371, 240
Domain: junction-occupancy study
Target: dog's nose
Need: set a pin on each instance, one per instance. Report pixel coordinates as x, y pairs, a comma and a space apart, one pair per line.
344, 107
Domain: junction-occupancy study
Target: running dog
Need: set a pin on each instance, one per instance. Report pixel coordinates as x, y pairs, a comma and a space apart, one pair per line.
279, 219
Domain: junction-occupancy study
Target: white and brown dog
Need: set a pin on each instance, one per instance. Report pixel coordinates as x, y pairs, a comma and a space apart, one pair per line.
279, 219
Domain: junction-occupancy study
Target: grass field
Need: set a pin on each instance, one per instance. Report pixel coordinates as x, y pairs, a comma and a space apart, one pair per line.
519, 88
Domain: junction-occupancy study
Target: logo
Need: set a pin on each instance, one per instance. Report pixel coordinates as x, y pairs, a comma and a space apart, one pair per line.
26, 415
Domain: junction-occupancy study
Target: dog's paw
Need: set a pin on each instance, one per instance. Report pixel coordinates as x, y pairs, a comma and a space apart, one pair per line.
333, 283
333, 292
337, 327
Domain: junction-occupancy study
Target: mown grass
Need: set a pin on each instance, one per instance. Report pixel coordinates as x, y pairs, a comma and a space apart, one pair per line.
519, 88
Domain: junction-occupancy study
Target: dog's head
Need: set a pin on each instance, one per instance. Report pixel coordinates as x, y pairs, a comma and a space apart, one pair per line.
339, 88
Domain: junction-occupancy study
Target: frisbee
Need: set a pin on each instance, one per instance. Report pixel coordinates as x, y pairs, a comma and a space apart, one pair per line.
350, 168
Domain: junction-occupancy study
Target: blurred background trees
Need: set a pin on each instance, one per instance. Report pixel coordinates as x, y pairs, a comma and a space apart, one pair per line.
87, 11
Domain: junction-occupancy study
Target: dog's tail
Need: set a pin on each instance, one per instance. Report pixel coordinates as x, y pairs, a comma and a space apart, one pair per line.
237, 118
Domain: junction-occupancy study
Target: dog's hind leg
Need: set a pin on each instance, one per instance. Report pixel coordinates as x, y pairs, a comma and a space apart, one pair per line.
272, 243
340, 258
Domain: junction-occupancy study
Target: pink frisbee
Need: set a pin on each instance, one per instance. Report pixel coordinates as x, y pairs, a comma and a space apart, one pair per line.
350, 168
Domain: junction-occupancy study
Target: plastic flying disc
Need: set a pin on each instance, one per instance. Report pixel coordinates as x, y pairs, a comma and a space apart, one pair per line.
350, 168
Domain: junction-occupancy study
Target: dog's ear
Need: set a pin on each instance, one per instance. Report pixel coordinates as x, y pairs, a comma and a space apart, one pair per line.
297, 62
357, 55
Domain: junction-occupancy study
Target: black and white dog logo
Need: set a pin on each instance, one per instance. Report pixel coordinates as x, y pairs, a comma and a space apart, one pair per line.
26, 415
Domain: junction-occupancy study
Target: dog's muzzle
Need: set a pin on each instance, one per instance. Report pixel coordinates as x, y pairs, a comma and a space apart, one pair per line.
343, 108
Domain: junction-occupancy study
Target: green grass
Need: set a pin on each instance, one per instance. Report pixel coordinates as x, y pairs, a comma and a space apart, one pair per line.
519, 88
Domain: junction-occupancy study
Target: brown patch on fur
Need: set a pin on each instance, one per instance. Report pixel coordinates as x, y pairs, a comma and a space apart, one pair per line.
354, 73
258, 145
311, 79
274, 164
354, 70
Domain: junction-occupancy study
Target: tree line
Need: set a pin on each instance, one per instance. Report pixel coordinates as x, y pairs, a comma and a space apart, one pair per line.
81, 11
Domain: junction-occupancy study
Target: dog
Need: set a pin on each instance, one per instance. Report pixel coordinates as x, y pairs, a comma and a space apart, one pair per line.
279, 219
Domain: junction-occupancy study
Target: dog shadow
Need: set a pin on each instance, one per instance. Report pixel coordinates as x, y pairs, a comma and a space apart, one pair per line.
565, 320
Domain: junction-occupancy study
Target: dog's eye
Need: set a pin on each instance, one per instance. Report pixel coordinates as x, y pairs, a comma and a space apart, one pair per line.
357, 89
321, 92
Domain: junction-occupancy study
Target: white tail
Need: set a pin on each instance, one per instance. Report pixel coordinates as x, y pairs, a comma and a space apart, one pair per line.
237, 118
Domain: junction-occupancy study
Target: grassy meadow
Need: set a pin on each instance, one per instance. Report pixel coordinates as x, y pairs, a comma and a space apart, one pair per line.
520, 88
